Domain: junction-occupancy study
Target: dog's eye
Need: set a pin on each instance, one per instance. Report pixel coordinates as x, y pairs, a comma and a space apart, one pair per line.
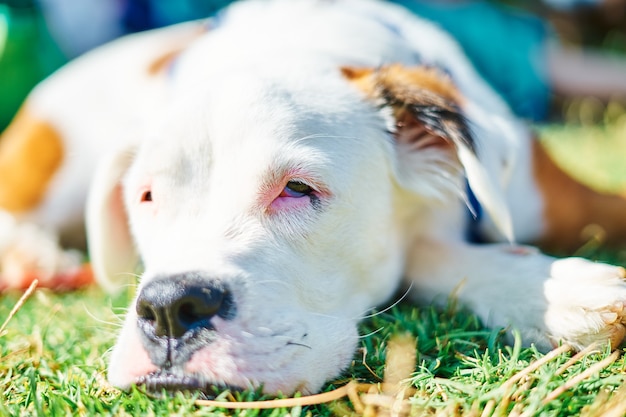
146, 196
296, 189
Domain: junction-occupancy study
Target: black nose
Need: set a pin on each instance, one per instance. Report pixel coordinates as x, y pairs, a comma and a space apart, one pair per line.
174, 305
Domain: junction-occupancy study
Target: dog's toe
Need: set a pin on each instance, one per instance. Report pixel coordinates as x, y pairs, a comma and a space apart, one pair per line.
28, 253
586, 303
615, 319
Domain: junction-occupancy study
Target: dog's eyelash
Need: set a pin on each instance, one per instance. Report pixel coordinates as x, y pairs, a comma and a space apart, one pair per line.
299, 187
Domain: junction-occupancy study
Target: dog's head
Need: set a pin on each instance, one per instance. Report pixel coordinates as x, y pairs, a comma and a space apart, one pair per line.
269, 215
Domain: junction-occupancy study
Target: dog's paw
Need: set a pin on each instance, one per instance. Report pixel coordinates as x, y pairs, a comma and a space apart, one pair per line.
586, 303
28, 252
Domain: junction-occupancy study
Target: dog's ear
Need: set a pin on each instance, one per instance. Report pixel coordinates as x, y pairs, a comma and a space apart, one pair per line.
111, 248
429, 124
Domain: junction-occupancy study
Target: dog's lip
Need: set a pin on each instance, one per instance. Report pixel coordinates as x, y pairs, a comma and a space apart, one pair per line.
161, 380
157, 382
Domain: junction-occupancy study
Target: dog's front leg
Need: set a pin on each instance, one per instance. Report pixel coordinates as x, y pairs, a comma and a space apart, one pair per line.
29, 251
548, 300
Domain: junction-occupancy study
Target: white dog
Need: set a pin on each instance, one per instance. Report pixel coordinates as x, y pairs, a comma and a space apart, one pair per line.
279, 172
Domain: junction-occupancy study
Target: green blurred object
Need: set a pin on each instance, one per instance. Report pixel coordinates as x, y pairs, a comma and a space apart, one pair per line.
27, 55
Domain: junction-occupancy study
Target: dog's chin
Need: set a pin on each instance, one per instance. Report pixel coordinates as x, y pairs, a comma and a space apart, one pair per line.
160, 382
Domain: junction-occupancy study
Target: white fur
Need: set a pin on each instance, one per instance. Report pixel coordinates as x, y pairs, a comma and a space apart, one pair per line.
262, 95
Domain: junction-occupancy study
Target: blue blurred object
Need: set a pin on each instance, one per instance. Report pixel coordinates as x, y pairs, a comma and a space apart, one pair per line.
146, 14
506, 46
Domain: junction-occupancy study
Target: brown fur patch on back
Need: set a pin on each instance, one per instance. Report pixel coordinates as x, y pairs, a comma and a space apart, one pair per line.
31, 152
573, 212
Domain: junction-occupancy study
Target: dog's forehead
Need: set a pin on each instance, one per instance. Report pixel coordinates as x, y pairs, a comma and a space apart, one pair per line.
279, 98
246, 118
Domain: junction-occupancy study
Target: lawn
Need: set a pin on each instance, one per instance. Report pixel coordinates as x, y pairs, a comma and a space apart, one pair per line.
53, 352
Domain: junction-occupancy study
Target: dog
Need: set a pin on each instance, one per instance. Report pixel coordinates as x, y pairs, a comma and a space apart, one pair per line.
278, 171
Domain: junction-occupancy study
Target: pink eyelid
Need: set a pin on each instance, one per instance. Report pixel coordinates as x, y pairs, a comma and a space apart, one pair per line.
272, 199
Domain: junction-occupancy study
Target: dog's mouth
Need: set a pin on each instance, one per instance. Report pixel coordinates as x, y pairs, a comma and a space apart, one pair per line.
161, 382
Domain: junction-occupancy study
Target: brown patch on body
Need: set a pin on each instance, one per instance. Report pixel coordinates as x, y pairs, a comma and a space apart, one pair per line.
31, 152
573, 212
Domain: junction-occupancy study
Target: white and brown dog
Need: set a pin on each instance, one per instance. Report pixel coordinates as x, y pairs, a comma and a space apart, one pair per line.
277, 173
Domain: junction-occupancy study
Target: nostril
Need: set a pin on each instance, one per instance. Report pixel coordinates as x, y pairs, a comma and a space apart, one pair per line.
197, 307
145, 311
195, 311
175, 305
189, 314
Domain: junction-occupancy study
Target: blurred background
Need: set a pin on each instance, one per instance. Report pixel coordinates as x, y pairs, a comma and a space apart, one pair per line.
561, 64
552, 60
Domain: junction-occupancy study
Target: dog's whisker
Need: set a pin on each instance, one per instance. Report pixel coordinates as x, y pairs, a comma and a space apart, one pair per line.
129, 276
311, 136
395, 303
270, 281
299, 344
330, 316
120, 311
364, 336
109, 333
117, 323
107, 353
322, 136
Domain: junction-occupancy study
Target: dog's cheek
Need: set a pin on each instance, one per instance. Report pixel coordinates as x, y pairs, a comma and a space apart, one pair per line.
331, 357
332, 345
217, 364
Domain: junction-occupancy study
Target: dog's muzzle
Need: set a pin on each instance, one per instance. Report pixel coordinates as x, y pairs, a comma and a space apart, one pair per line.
174, 316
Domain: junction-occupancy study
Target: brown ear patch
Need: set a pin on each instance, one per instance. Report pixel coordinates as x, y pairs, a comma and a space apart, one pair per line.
31, 151
404, 83
425, 102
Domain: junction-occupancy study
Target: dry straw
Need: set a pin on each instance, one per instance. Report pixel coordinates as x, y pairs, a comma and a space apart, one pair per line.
391, 398
19, 305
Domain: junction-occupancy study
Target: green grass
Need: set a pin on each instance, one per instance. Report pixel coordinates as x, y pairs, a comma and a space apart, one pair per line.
53, 352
